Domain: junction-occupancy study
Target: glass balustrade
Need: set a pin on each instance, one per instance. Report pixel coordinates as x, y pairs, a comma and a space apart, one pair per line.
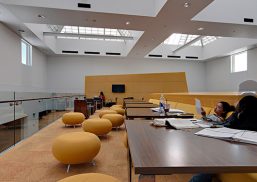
24, 113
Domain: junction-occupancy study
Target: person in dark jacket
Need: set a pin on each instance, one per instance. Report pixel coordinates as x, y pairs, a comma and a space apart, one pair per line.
245, 116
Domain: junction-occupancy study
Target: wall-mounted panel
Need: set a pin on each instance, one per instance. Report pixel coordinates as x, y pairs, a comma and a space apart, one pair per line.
136, 85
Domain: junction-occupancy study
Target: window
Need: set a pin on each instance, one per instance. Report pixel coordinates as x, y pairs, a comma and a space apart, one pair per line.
26, 53
239, 62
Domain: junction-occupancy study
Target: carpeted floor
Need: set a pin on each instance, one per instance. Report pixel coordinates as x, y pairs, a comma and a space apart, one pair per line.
32, 159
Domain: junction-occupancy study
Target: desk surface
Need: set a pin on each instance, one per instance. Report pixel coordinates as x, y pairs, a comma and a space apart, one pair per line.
143, 112
157, 150
145, 105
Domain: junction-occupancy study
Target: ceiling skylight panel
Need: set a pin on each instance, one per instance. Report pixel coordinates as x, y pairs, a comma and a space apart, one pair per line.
66, 37
75, 29
208, 39
70, 29
190, 38
83, 31
113, 32
173, 39
197, 43
124, 32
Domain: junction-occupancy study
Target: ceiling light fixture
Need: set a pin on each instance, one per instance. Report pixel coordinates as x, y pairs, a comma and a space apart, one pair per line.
127, 23
200, 28
41, 16
186, 4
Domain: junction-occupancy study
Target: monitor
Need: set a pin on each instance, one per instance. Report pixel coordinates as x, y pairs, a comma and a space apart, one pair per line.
118, 88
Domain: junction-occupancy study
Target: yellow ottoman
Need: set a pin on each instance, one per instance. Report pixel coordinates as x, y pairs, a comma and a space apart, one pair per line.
103, 112
73, 118
120, 106
118, 110
76, 147
116, 119
90, 177
97, 126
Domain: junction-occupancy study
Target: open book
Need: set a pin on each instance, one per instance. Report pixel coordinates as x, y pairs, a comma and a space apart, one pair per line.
244, 136
157, 109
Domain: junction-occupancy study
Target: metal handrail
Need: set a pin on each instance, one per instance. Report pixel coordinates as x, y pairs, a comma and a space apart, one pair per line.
40, 98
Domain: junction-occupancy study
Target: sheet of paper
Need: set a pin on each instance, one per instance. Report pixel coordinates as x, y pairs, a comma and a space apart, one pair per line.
175, 111
223, 133
247, 137
198, 106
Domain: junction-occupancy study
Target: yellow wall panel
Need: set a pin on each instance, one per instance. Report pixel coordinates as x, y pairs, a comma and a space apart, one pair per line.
136, 85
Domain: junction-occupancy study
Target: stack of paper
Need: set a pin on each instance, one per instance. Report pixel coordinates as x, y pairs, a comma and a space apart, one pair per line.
230, 134
159, 122
182, 123
157, 109
176, 111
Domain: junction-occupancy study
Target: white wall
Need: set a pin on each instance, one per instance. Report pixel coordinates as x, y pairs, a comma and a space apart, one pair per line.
67, 73
219, 78
14, 76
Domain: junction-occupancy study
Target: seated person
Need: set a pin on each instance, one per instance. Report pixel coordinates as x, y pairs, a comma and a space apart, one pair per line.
245, 116
221, 110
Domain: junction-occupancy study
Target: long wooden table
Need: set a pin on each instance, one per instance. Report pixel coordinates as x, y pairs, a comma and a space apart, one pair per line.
132, 113
161, 151
136, 102
145, 105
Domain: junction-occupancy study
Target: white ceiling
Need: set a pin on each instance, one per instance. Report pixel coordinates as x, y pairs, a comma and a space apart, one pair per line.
152, 21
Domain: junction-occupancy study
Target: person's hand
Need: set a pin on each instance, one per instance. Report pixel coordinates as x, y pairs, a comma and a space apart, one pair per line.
203, 113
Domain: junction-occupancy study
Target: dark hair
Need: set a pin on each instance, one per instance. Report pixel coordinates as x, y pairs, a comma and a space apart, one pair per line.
226, 108
101, 93
245, 117
247, 105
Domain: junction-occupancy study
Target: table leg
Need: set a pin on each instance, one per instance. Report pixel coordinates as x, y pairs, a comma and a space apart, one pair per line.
129, 166
146, 178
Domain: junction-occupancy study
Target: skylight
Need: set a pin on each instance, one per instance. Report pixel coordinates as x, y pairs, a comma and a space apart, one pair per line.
99, 33
182, 39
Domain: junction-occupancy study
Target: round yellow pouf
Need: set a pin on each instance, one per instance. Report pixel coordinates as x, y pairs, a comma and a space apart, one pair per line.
97, 126
90, 177
118, 110
120, 106
76, 147
103, 112
73, 118
116, 119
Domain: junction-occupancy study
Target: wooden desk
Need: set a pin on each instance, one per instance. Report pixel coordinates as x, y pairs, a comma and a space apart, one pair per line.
132, 113
136, 102
161, 151
146, 105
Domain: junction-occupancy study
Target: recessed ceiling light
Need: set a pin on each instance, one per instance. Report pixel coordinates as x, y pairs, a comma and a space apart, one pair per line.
41, 16
200, 28
186, 4
127, 23
21, 31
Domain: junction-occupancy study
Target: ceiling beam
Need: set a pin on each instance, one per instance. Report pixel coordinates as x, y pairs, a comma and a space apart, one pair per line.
187, 44
87, 35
